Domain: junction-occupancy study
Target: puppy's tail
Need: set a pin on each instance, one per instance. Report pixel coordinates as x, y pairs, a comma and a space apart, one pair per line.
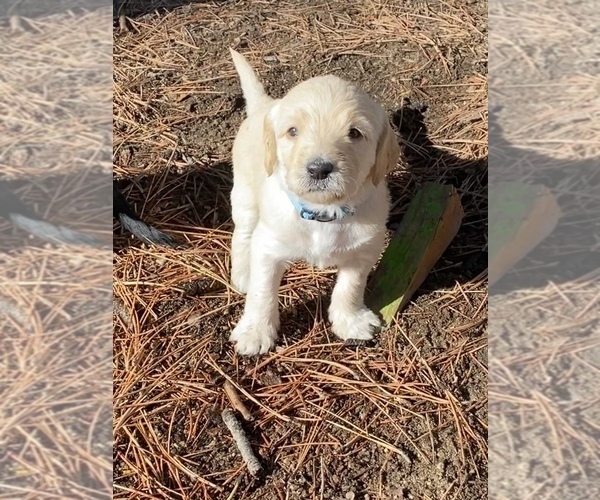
254, 92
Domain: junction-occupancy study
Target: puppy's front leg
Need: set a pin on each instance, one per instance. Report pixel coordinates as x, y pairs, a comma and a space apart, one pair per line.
256, 331
350, 318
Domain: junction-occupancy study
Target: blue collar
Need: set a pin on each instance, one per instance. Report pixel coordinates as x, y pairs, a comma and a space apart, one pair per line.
319, 215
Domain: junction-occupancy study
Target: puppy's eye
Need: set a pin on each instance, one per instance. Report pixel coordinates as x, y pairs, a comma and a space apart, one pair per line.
355, 133
293, 132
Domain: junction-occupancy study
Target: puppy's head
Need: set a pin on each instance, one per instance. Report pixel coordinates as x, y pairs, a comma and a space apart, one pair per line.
328, 139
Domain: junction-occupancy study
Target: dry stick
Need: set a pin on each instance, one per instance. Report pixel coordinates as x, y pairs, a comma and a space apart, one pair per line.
236, 402
122, 312
239, 436
214, 365
122, 18
123, 22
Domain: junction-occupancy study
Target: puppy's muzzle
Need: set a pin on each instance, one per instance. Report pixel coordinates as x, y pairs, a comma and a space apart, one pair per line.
319, 169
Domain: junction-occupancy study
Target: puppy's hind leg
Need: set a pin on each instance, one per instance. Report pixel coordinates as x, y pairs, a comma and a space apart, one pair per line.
245, 218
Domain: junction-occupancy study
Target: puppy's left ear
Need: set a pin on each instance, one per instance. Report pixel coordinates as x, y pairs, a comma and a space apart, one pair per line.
270, 147
387, 155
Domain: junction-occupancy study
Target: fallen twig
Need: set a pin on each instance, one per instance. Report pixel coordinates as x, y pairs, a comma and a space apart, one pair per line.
122, 15
280, 416
130, 221
241, 440
121, 311
236, 402
123, 22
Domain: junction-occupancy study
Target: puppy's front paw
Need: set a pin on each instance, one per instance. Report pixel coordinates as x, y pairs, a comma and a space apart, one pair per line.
360, 324
253, 337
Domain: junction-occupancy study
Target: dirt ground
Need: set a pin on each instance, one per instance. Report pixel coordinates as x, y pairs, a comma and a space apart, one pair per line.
544, 319
405, 417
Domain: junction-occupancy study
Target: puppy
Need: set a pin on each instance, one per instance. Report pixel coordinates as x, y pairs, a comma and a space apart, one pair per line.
308, 185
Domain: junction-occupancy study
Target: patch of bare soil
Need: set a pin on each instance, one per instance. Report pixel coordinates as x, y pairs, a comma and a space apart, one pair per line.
403, 418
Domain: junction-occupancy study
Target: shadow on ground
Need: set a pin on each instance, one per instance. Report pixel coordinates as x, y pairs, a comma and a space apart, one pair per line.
572, 250
137, 8
466, 256
77, 202
178, 203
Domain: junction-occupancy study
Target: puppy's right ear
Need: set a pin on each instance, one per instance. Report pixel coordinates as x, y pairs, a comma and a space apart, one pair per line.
387, 154
270, 146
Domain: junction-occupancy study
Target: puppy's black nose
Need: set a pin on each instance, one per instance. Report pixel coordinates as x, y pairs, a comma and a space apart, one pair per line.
319, 169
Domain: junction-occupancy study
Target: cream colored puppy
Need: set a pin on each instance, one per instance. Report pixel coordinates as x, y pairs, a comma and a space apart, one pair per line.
308, 185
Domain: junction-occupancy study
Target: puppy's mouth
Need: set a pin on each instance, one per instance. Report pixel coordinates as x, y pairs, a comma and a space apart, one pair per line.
333, 184
324, 191
319, 186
